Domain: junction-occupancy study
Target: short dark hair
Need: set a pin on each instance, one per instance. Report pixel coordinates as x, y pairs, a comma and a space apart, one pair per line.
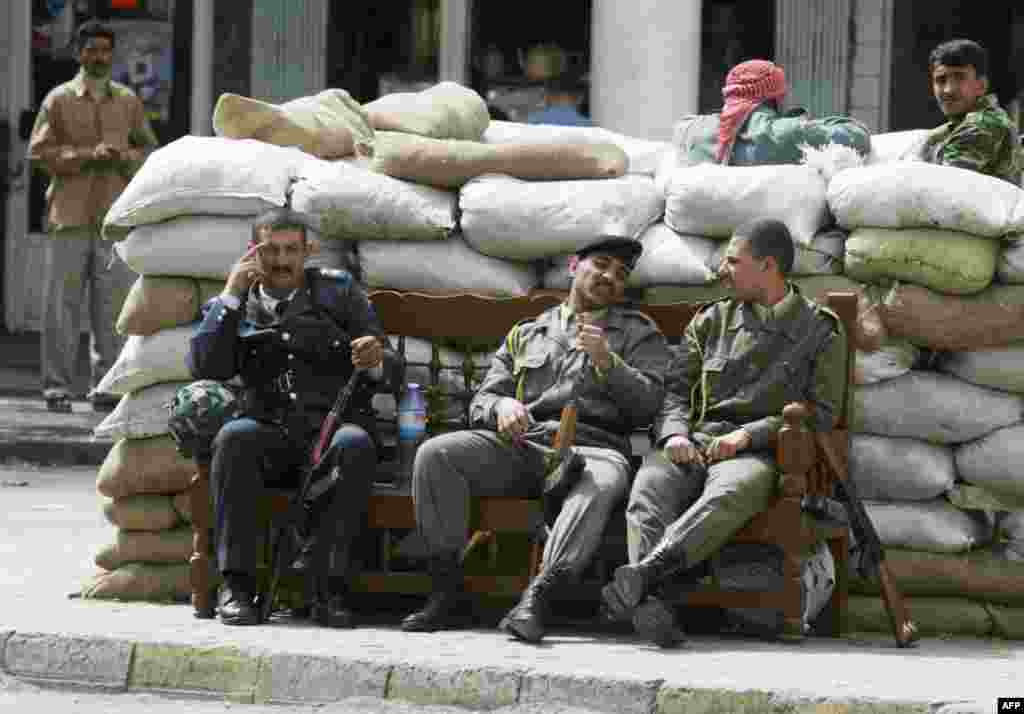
960, 53
769, 238
277, 219
93, 28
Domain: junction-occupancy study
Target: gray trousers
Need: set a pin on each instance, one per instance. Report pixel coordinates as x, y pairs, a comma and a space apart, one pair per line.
453, 468
698, 508
74, 258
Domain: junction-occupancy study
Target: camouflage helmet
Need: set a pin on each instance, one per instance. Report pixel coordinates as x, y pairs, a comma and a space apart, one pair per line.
197, 413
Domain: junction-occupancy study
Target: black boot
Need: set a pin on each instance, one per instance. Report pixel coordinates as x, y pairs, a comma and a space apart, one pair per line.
330, 603
526, 620
236, 602
632, 582
655, 620
438, 613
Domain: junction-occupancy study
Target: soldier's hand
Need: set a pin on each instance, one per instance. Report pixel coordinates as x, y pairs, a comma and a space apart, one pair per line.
680, 450
367, 352
592, 340
727, 446
105, 152
513, 417
245, 272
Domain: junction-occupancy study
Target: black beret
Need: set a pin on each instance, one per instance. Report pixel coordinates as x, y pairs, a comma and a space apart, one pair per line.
625, 249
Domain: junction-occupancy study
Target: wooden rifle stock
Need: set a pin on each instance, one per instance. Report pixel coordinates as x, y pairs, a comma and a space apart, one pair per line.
903, 628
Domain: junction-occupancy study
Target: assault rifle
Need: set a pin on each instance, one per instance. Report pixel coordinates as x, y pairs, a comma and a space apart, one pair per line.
292, 523
872, 560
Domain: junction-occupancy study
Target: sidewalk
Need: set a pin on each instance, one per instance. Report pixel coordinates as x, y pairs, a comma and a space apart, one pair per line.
53, 527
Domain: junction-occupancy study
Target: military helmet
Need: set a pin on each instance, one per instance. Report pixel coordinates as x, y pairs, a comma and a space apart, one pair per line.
197, 413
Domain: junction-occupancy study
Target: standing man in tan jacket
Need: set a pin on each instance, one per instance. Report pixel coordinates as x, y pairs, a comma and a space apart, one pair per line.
90, 136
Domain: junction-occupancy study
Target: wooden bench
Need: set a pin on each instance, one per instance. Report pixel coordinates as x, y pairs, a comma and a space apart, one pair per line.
784, 524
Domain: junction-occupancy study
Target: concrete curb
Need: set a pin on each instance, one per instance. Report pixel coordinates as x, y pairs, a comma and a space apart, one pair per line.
262, 677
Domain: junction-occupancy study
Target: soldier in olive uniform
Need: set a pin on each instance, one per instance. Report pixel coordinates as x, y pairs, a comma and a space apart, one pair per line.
979, 135
620, 357
294, 336
742, 360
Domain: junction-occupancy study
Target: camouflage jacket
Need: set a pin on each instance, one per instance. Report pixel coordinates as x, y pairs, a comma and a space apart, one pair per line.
984, 140
768, 137
734, 370
538, 364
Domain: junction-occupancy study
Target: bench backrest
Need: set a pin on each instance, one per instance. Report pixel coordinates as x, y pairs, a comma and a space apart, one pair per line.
432, 317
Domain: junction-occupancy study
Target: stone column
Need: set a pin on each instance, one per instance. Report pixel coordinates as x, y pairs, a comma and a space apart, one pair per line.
644, 64
289, 49
201, 113
453, 64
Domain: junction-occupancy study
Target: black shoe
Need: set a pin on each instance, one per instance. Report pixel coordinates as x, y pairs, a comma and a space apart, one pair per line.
632, 582
103, 403
655, 620
526, 620
237, 607
439, 612
332, 613
60, 403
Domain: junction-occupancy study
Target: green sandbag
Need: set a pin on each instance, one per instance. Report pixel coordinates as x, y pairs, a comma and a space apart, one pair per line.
143, 512
934, 616
1008, 622
981, 575
153, 582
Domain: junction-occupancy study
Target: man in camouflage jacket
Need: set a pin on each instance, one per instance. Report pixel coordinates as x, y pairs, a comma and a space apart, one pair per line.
742, 360
979, 135
620, 357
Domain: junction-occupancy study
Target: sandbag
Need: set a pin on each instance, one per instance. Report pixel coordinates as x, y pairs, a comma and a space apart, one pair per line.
996, 367
166, 546
897, 145
144, 361
894, 357
900, 469
945, 261
508, 218
205, 175
978, 574
342, 199
448, 264
446, 110
934, 526
934, 616
714, 201
157, 303
933, 407
645, 156
140, 414
144, 512
1010, 526
449, 163
914, 194
995, 461
142, 466
1010, 268
328, 125
154, 582
1007, 622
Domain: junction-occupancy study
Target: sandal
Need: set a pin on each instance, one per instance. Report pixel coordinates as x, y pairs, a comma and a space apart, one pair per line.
59, 403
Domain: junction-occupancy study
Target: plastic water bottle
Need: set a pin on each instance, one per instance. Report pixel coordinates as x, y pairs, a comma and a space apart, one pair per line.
412, 429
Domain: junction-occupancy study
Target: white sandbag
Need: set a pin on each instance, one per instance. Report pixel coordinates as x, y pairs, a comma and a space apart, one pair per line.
442, 265
1010, 268
714, 200
948, 262
329, 125
934, 526
645, 156
205, 175
933, 407
995, 462
670, 258
342, 199
894, 357
194, 246
900, 469
897, 145
996, 367
140, 414
143, 361
446, 110
508, 218
914, 194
